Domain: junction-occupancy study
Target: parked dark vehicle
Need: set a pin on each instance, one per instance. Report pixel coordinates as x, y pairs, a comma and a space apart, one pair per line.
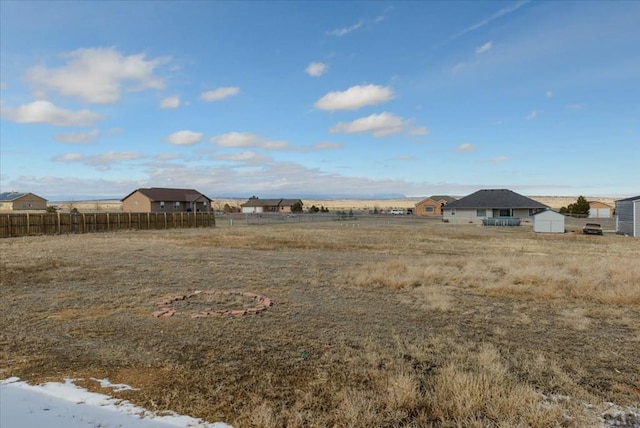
592, 229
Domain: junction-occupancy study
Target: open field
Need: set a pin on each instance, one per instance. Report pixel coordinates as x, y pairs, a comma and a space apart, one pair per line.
401, 323
555, 202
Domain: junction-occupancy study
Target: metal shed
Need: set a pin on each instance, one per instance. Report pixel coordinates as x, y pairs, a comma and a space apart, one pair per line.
548, 222
628, 216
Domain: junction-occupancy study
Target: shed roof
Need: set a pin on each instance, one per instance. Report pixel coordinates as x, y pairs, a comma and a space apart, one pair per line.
495, 198
633, 198
169, 195
548, 212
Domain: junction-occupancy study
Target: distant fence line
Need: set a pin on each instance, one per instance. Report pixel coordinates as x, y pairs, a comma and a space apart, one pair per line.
24, 224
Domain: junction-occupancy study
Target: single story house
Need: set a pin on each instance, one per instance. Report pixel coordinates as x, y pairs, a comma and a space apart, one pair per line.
548, 221
432, 206
16, 201
161, 200
257, 205
489, 204
628, 216
599, 209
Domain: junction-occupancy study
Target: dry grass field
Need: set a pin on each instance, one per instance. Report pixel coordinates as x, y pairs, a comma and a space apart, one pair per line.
402, 324
555, 202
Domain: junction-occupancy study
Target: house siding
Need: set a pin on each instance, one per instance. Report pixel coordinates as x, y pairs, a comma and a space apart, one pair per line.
137, 202
628, 217
548, 222
599, 210
420, 208
462, 215
470, 215
23, 203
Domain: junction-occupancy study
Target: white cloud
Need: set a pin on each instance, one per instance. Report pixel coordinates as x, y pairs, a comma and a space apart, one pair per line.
532, 115
101, 162
327, 146
168, 156
220, 93
98, 75
170, 102
421, 130
549, 94
379, 125
184, 138
500, 159
339, 32
247, 139
458, 67
77, 137
246, 157
316, 69
46, 112
354, 98
504, 11
465, 148
484, 48
576, 106
68, 157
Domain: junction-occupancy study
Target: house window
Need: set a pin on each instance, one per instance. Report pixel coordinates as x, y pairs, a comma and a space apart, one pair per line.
204, 204
505, 212
481, 213
176, 205
162, 205
428, 209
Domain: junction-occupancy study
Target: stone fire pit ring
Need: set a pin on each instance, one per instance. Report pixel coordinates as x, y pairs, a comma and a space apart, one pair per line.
166, 309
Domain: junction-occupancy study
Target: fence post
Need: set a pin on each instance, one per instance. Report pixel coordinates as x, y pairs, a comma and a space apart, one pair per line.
9, 225
59, 226
27, 223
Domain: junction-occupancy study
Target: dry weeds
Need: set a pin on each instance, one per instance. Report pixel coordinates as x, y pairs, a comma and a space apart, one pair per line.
390, 325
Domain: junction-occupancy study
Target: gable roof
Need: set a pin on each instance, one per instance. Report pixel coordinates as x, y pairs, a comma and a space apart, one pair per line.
593, 203
495, 198
12, 196
437, 198
257, 202
633, 198
547, 212
446, 198
169, 195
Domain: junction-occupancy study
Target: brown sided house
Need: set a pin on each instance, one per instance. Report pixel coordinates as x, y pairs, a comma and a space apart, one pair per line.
16, 201
257, 205
432, 206
161, 199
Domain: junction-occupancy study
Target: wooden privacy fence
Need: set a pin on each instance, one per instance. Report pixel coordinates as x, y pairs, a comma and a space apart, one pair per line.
24, 224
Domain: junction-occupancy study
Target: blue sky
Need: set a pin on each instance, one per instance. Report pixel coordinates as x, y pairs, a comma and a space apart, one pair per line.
325, 99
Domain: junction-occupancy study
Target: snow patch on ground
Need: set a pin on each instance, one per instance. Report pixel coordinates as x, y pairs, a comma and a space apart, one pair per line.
66, 405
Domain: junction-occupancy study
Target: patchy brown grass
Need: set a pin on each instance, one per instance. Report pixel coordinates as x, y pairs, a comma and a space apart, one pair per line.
396, 324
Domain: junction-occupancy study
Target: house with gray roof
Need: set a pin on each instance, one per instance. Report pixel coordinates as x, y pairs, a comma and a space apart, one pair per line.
628, 216
165, 200
16, 201
486, 206
257, 205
